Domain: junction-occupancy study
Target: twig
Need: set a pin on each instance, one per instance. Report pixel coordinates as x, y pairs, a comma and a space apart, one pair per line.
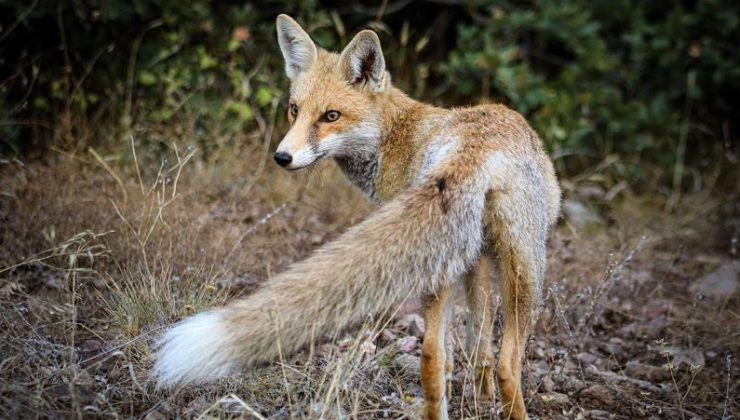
619, 379
180, 164
234, 398
612, 275
88, 70
19, 20
128, 104
266, 130
136, 164
111, 172
381, 10
251, 229
40, 257
683, 135
727, 390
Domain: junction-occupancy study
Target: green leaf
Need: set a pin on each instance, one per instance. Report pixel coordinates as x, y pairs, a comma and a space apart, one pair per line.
243, 110
147, 78
263, 96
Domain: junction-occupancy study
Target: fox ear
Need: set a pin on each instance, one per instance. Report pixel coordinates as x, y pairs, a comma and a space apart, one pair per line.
298, 49
362, 63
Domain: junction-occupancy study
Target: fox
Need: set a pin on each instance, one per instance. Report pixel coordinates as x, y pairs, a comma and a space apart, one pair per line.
462, 195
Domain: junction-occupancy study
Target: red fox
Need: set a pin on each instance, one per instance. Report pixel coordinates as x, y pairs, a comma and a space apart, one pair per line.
455, 188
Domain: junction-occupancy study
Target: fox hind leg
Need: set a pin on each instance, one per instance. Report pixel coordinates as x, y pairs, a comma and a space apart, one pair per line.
478, 289
521, 232
434, 363
449, 348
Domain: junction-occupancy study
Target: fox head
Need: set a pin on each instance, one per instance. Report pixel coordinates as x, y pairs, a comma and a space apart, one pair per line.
333, 107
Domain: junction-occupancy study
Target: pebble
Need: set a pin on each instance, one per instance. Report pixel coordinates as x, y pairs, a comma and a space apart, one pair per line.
413, 323
587, 358
648, 372
721, 282
599, 394
555, 399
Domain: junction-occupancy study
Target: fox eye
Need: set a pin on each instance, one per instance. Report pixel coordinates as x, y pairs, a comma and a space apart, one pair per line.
293, 110
331, 116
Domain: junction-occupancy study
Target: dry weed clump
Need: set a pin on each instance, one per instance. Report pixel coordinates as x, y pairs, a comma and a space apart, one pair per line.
99, 253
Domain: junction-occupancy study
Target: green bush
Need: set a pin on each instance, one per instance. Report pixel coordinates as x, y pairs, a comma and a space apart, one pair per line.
637, 88
629, 79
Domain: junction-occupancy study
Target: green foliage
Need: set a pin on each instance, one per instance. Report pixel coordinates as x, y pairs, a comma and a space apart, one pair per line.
601, 78
641, 85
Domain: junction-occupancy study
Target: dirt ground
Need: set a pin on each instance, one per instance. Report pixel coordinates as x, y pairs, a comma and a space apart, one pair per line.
98, 255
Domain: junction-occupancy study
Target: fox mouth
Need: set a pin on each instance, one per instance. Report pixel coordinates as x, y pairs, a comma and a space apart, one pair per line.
319, 157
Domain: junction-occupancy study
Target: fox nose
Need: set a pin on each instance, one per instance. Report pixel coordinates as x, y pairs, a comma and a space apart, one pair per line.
283, 159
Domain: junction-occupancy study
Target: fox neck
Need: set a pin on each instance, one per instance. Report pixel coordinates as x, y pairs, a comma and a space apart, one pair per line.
379, 170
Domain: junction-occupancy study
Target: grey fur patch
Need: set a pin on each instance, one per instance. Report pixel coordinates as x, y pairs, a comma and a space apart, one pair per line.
362, 171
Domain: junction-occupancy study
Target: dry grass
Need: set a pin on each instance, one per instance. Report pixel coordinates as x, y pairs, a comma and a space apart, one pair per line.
99, 253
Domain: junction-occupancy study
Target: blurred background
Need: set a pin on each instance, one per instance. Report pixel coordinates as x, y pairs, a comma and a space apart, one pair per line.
626, 93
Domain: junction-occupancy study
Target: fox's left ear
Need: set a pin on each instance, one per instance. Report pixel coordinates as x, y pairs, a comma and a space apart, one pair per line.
298, 49
362, 63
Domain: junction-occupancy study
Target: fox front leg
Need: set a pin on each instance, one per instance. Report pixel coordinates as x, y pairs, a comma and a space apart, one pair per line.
434, 366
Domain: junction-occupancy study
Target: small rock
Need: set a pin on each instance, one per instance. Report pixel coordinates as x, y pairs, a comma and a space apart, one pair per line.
720, 283
388, 335
629, 330
54, 282
587, 358
641, 276
599, 394
91, 347
539, 368
571, 384
368, 347
407, 344
555, 399
407, 363
654, 328
154, 415
579, 214
626, 306
599, 415
689, 358
612, 349
648, 372
83, 378
547, 383
413, 323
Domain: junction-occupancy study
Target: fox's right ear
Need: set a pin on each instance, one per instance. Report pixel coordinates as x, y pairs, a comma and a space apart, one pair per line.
298, 49
362, 63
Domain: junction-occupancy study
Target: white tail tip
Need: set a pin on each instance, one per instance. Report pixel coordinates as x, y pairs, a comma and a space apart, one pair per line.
195, 350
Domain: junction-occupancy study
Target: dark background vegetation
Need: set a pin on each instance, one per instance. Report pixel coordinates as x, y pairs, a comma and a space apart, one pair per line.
646, 89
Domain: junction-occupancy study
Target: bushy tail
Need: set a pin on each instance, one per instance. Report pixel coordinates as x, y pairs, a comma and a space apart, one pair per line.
431, 233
